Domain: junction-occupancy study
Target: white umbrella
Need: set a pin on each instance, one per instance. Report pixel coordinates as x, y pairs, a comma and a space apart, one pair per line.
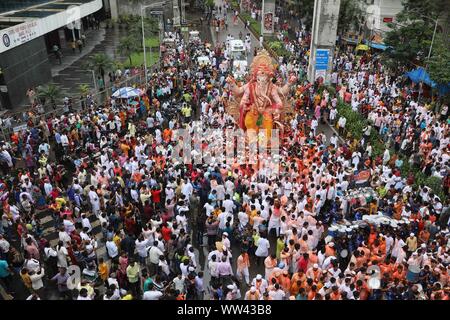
126, 93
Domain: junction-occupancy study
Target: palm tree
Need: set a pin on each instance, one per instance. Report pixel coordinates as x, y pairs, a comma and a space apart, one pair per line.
84, 91
151, 26
49, 92
128, 45
101, 63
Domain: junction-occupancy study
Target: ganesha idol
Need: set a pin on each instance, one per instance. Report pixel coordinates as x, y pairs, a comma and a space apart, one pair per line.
261, 103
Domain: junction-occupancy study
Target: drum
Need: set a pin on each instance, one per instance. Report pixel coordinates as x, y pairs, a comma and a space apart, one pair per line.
342, 232
332, 231
413, 274
344, 253
374, 283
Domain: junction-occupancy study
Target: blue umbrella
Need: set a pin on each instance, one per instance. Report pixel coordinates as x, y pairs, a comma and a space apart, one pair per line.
126, 93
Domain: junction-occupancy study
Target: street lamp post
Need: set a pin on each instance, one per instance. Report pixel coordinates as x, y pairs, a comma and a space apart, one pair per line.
143, 45
93, 79
431, 47
432, 39
153, 5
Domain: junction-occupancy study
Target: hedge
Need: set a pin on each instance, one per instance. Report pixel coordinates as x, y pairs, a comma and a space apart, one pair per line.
355, 125
255, 26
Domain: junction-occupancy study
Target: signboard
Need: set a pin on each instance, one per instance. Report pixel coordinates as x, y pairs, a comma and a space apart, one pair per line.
320, 73
268, 16
19, 34
20, 128
362, 177
388, 19
322, 56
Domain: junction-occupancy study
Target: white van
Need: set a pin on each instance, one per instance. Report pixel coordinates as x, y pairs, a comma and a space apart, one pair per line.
238, 55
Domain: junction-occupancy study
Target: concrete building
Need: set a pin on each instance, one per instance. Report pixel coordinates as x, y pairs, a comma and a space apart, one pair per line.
28, 31
126, 7
323, 40
388, 10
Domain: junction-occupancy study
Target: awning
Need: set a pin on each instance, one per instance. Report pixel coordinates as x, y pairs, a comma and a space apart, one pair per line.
421, 75
350, 40
362, 47
379, 46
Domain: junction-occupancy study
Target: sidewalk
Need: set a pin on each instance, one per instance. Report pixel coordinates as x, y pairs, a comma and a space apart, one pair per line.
93, 37
71, 74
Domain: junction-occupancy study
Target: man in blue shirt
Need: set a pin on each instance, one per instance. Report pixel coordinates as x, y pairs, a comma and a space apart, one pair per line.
5, 275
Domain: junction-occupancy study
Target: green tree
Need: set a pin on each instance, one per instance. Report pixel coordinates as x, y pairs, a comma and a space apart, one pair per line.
439, 63
350, 15
151, 26
84, 89
306, 9
129, 45
48, 93
410, 36
101, 63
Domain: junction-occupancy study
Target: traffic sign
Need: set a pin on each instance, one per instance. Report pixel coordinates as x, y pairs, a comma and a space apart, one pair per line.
322, 57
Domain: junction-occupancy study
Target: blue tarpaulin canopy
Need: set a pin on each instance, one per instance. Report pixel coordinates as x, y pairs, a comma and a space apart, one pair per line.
378, 46
126, 92
421, 75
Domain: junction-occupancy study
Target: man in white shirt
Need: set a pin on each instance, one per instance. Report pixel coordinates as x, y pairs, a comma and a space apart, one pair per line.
178, 282
94, 200
277, 293
209, 208
86, 223
228, 204
152, 294
68, 225
64, 140
4, 245
112, 249
154, 254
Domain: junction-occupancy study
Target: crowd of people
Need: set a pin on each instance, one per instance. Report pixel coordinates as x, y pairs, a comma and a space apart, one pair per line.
296, 235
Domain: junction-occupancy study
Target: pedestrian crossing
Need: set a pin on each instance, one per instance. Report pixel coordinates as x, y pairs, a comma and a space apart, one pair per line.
50, 233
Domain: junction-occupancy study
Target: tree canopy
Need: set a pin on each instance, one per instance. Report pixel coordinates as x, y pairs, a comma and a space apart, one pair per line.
411, 33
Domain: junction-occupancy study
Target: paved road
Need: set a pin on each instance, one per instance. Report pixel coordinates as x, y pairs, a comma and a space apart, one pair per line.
234, 30
202, 251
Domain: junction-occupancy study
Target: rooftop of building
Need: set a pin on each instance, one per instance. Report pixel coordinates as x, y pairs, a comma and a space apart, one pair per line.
14, 12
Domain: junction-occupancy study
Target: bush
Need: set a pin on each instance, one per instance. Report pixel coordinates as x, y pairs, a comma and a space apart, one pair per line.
355, 125
275, 45
255, 26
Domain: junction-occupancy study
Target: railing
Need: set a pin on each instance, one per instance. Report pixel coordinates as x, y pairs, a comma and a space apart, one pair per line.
18, 121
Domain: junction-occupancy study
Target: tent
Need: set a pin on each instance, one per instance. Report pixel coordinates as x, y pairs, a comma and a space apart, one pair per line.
421, 75
127, 92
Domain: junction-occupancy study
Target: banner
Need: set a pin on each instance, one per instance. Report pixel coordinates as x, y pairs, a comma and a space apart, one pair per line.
268, 16
17, 35
362, 177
